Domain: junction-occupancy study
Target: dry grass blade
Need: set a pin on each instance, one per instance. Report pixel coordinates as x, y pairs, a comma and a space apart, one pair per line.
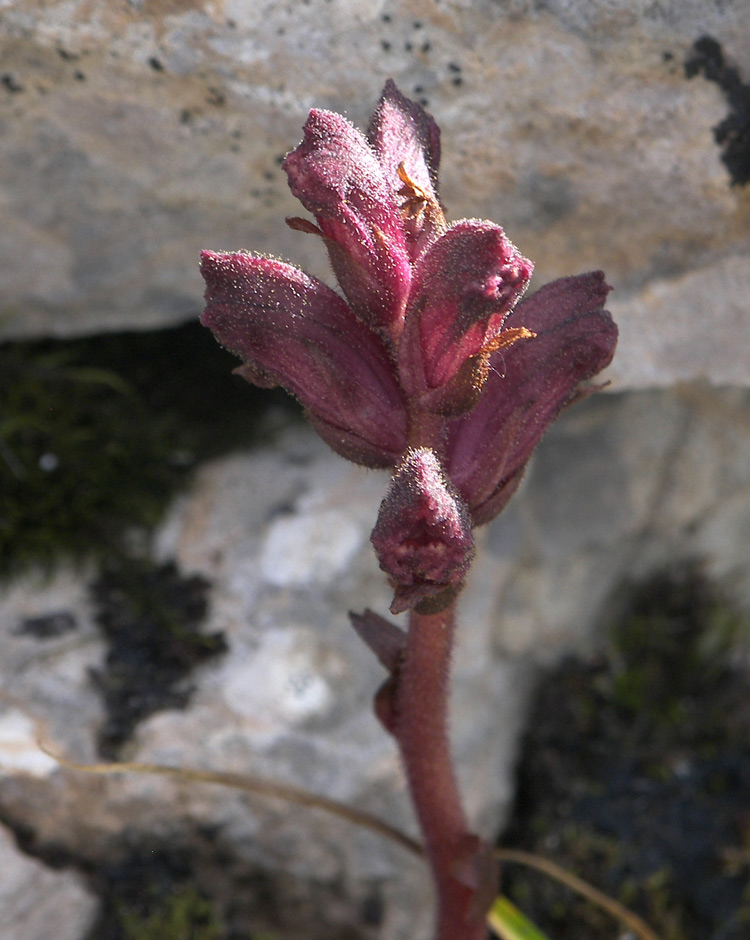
268, 788
606, 903
250, 784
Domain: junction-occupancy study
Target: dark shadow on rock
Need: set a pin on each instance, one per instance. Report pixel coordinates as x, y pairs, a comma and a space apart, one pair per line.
635, 772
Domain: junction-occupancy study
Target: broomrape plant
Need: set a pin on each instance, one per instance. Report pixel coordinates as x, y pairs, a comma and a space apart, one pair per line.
428, 362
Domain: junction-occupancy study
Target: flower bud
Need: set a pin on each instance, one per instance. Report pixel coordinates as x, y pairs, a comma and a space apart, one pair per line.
423, 536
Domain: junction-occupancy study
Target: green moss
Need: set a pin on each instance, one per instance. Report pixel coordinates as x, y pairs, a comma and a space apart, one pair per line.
185, 915
635, 767
82, 459
97, 434
669, 644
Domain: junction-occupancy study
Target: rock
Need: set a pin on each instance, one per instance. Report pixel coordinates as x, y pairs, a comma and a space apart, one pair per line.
283, 535
37, 903
292, 701
46, 688
19, 746
687, 323
621, 485
134, 134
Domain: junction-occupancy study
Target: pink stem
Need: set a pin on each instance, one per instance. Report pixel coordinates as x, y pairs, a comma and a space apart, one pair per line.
422, 734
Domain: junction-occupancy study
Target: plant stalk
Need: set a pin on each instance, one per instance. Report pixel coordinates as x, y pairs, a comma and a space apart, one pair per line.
422, 734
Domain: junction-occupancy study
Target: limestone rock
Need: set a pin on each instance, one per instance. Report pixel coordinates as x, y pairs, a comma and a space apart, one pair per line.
37, 903
134, 134
620, 485
283, 535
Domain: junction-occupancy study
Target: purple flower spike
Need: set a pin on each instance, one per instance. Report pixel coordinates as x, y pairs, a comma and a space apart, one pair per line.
432, 363
423, 536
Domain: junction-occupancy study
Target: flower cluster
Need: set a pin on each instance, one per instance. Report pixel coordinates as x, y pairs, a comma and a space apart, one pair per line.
430, 362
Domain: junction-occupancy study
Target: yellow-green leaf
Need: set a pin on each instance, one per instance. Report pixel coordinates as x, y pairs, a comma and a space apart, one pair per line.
509, 923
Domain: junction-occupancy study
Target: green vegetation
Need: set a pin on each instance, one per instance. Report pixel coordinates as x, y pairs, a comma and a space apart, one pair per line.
635, 767
670, 645
153, 889
184, 915
97, 434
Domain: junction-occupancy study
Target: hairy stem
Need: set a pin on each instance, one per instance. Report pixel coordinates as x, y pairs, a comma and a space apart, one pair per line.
422, 734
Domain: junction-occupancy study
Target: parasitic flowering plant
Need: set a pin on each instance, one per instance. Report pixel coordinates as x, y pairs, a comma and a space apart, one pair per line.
431, 362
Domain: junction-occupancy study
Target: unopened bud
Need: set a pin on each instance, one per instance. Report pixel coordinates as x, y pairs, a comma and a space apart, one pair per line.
423, 536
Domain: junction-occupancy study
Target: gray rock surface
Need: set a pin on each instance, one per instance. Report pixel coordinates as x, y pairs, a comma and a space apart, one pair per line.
37, 903
283, 535
133, 134
621, 485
